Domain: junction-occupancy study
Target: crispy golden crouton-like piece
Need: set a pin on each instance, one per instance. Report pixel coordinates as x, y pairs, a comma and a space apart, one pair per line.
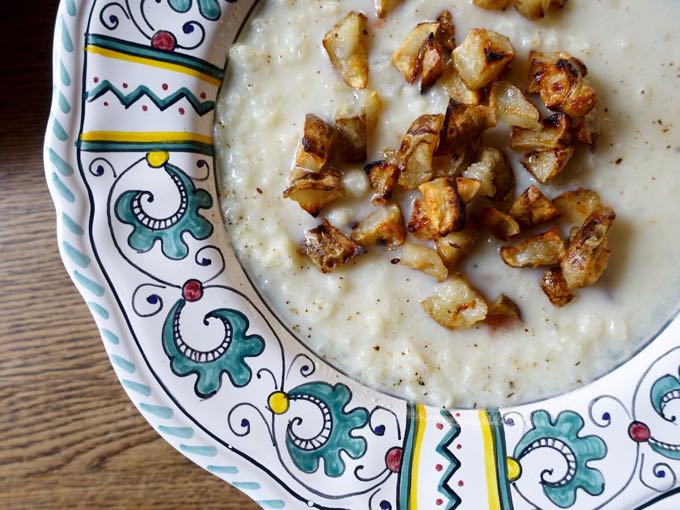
384, 226
372, 109
501, 225
502, 312
468, 189
419, 224
533, 208
587, 128
587, 256
317, 139
452, 165
494, 173
456, 305
417, 149
560, 80
432, 62
496, 5
482, 57
546, 249
407, 58
534, 9
383, 7
555, 287
442, 205
463, 124
456, 89
422, 258
512, 107
314, 191
329, 248
446, 35
350, 140
555, 133
575, 206
346, 45
382, 177
455, 247
546, 164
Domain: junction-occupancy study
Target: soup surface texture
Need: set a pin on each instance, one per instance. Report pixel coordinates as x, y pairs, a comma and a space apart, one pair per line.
366, 317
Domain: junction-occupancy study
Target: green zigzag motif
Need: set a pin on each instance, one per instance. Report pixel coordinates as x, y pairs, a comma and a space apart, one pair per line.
443, 450
127, 100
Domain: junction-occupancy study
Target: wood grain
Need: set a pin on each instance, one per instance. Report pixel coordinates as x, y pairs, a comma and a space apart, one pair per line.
69, 436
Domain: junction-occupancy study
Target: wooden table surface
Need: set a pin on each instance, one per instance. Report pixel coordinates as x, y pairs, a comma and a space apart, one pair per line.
69, 436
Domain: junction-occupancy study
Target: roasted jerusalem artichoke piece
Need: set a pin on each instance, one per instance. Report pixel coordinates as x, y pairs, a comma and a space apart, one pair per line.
512, 107
443, 206
502, 312
417, 150
419, 224
482, 57
546, 249
317, 139
384, 226
587, 256
533, 208
346, 46
456, 89
494, 173
382, 177
463, 124
575, 206
455, 247
432, 62
407, 58
496, 5
451, 165
313, 191
456, 305
422, 258
534, 9
372, 109
328, 248
560, 80
467, 188
546, 164
555, 287
555, 133
350, 140
383, 7
501, 225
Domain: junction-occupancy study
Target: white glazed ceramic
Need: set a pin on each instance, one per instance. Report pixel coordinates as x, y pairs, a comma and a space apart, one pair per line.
129, 160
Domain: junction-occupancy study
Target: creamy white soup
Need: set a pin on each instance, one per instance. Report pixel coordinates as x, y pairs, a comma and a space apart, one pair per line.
366, 317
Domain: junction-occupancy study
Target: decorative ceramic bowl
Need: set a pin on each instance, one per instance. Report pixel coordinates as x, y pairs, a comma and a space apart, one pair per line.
130, 162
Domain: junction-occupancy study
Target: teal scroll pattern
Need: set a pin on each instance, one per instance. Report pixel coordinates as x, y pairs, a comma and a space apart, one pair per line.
562, 435
335, 435
209, 9
229, 357
665, 390
168, 231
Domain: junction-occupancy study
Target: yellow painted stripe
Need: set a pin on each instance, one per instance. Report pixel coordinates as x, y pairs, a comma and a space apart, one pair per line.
417, 447
489, 462
104, 52
144, 137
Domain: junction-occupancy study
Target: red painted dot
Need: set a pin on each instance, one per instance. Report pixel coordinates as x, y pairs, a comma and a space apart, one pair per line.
164, 86
96, 79
439, 467
459, 446
164, 40
125, 85
639, 432
440, 426
144, 108
461, 483
457, 415
393, 459
192, 290
439, 502
181, 111
203, 95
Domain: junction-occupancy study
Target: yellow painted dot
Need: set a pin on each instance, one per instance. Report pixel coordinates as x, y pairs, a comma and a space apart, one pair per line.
157, 159
514, 469
278, 402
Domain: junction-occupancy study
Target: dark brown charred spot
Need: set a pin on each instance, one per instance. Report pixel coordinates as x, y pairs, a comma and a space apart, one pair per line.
371, 166
493, 56
567, 66
554, 120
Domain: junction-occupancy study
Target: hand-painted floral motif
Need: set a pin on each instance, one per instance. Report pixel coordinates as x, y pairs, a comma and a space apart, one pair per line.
209, 9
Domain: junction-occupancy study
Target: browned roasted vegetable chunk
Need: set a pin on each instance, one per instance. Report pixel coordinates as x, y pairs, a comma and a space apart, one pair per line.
419, 224
546, 164
432, 62
456, 305
317, 139
546, 249
422, 258
329, 248
533, 208
456, 89
455, 247
501, 225
555, 287
407, 58
575, 206
313, 191
384, 226
383, 177
451, 165
587, 128
534, 9
555, 133
346, 45
383, 7
512, 107
493, 171
502, 312
417, 149
350, 140
587, 255
372, 109
468, 189
560, 79
496, 5
446, 34
482, 57
463, 124
443, 206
